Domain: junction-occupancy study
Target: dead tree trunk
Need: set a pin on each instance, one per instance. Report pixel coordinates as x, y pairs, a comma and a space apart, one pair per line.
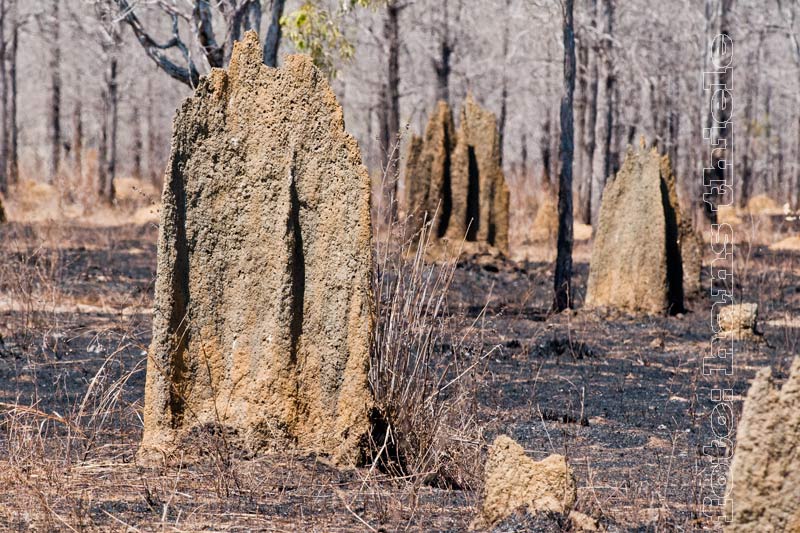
442, 64
77, 138
13, 159
544, 150
138, 144
601, 158
504, 87
55, 93
113, 101
581, 88
391, 148
590, 119
720, 129
273, 39
562, 298
4, 133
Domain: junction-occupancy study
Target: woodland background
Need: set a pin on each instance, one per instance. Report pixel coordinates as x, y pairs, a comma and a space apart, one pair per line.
82, 103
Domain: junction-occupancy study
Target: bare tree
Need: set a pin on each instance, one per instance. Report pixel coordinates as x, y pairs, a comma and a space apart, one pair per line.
390, 124
4, 133
587, 143
50, 26
273, 40
11, 121
504, 84
562, 298
441, 65
238, 16
601, 158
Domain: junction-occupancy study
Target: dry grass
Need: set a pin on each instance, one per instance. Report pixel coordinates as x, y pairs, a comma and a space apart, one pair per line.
426, 367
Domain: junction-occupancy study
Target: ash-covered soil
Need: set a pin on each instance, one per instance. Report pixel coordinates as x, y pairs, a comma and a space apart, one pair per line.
623, 397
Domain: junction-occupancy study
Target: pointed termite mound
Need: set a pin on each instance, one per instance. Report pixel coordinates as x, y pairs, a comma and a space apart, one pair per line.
763, 490
454, 181
637, 262
428, 168
262, 315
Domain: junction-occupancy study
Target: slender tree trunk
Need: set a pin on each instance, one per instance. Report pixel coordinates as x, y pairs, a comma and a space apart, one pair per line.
77, 138
523, 155
590, 120
154, 169
4, 133
581, 88
138, 145
504, 86
55, 93
391, 32
273, 39
601, 158
562, 298
252, 16
442, 64
113, 98
544, 149
674, 125
13, 162
721, 136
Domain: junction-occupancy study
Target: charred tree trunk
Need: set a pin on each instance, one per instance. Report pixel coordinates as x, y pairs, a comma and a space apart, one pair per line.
391, 148
4, 133
590, 120
721, 131
442, 64
544, 149
113, 100
138, 145
562, 298
13, 159
581, 89
523, 155
55, 93
77, 138
273, 39
601, 158
504, 86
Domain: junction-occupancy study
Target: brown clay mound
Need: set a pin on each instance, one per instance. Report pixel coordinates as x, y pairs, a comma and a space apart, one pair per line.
262, 316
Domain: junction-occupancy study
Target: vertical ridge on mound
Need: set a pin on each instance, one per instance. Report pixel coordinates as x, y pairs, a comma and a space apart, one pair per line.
263, 301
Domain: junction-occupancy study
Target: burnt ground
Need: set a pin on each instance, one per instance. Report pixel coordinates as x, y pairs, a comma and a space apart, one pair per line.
623, 397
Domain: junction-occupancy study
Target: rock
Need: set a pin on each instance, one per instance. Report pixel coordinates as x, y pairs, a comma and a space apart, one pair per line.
763, 492
582, 522
2, 213
513, 481
262, 319
454, 180
738, 321
428, 169
638, 263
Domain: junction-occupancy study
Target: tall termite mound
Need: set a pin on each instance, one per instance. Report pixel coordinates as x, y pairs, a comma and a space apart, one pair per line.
763, 490
454, 179
428, 173
645, 255
263, 303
